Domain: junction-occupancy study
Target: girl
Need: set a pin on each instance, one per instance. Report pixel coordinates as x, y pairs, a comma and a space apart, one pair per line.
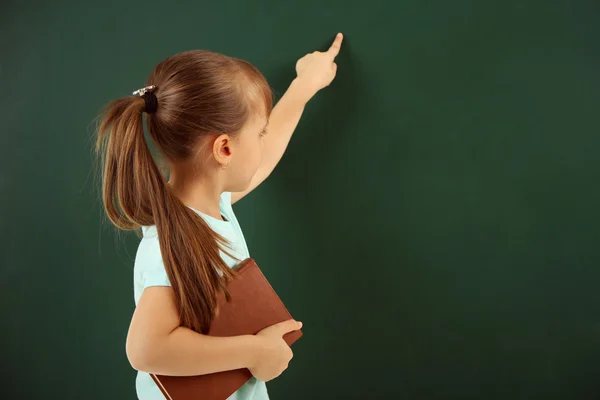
207, 115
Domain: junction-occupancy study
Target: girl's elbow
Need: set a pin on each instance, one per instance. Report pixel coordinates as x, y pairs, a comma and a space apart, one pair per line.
139, 355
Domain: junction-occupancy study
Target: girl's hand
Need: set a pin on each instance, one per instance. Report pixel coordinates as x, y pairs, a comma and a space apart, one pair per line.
275, 354
317, 70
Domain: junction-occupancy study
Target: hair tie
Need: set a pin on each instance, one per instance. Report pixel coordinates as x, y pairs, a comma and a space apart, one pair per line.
150, 100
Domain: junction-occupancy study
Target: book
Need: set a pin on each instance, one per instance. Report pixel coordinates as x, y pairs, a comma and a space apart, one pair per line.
254, 306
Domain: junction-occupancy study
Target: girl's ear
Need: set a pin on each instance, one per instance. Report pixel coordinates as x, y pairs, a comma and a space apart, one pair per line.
222, 149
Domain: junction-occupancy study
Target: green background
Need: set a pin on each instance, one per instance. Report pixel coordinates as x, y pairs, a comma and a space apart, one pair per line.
434, 222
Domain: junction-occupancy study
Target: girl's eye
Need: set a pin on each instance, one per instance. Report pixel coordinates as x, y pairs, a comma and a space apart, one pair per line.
263, 133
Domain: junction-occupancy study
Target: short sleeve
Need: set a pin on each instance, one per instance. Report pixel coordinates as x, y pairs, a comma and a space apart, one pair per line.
155, 277
150, 264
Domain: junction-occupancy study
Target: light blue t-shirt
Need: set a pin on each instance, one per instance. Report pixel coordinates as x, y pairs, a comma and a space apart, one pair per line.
150, 271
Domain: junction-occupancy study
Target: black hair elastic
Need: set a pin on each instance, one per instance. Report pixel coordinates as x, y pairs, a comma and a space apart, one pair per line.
149, 98
151, 102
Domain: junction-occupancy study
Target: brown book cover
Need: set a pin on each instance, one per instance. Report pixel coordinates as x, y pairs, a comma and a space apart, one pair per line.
254, 306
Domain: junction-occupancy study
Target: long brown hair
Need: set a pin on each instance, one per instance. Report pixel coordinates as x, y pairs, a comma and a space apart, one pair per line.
199, 93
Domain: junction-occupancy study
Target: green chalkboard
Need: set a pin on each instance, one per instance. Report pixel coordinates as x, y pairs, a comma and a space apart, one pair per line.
434, 222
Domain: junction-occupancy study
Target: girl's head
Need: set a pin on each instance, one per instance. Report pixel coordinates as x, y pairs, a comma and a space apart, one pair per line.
210, 118
212, 112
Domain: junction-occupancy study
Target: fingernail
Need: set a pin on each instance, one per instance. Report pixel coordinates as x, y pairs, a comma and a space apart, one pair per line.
300, 324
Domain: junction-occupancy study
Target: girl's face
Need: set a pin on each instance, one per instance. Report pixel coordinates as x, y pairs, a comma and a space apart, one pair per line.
245, 154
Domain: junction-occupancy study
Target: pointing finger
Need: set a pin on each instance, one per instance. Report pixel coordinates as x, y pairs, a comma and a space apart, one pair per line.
335, 47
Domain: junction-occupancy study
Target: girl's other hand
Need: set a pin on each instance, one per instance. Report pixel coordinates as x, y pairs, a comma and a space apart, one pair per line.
317, 70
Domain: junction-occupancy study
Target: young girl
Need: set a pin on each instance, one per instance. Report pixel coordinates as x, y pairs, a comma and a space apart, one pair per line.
207, 114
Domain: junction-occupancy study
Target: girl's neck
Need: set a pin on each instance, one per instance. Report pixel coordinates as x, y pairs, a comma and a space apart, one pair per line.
198, 195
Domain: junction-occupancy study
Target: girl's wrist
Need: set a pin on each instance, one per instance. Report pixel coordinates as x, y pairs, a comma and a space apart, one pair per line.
301, 91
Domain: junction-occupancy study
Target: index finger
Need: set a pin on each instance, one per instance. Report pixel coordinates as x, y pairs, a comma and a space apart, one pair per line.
335, 47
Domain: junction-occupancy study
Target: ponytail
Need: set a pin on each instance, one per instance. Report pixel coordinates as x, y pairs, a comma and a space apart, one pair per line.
135, 193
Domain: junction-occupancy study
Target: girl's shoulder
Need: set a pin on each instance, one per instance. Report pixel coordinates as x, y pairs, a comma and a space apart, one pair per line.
150, 234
